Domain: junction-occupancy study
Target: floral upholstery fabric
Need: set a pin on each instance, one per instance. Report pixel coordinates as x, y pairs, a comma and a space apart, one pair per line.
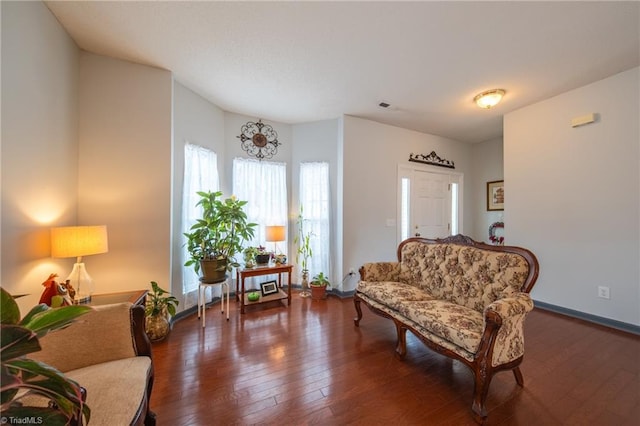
393, 294
457, 324
510, 339
444, 291
380, 271
462, 275
420, 329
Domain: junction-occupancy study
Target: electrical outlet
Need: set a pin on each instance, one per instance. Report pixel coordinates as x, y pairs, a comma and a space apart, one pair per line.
603, 292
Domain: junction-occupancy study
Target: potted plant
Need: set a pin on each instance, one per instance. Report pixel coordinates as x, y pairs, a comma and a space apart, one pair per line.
319, 285
215, 239
250, 256
304, 251
256, 255
20, 338
263, 256
158, 310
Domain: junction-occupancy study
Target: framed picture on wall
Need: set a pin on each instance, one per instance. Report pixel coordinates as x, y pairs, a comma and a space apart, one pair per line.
495, 195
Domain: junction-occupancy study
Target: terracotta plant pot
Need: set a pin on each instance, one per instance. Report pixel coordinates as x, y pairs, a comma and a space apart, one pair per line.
318, 292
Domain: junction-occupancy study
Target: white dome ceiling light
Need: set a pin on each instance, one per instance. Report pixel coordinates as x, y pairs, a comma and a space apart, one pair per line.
490, 98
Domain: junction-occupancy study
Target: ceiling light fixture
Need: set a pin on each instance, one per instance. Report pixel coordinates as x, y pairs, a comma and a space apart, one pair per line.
489, 99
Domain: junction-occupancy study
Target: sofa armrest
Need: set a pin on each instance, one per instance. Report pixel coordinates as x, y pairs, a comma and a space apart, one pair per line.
508, 315
108, 333
380, 271
515, 305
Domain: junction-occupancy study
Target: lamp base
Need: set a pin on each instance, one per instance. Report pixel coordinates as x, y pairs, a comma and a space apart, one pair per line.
82, 299
81, 282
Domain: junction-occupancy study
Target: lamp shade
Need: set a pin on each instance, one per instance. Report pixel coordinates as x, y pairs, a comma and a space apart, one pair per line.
275, 233
77, 241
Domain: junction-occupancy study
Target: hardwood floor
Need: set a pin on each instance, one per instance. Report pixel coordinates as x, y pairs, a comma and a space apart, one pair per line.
308, 364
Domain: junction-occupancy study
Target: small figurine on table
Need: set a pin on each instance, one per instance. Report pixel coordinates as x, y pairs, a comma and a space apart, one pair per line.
57, 294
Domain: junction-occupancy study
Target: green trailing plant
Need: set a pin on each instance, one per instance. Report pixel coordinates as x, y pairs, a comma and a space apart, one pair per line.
219, 234
303, 241
19, 373
250, 255
160, 301
320, 280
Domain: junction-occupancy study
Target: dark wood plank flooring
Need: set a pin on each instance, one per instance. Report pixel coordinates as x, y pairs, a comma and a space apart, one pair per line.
309, 364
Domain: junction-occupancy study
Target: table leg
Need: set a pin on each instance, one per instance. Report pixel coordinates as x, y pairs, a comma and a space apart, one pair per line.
237, 283
227, 300
242, 297
289, 287
204, 304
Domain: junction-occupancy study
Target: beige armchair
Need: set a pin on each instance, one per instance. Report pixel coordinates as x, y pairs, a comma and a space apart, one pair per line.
108, 353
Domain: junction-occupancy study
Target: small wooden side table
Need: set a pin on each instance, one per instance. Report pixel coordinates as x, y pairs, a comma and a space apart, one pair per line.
241, 274
135, 297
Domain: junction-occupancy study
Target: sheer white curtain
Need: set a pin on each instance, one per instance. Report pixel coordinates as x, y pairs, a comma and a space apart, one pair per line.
264, 185
315, 201
200, 174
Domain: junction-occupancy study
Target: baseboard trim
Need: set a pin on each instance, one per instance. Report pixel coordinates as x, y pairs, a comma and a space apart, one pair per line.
607, 322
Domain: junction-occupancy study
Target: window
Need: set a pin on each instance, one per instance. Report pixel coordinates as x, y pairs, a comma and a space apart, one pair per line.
264, 185
200, 174
315, 201
404, 209
454, 208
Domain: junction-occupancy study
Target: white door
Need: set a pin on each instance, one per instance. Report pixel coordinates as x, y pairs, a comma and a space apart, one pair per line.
430, 204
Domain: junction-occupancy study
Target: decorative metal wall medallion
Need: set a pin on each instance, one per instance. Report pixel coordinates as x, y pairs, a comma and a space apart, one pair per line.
259, 139
432, 159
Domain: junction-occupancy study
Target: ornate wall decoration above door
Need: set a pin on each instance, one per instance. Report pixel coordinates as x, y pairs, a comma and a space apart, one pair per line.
431, 159
259, 140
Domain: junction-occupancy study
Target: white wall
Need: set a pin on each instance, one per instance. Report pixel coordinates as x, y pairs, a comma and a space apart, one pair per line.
196, 121
371, 154
124, 177
39, 145
487, 166
574, 194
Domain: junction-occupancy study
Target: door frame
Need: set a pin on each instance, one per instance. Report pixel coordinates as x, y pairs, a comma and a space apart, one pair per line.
406, 171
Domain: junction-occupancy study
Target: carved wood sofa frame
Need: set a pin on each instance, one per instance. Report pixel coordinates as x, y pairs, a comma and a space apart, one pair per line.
481, 365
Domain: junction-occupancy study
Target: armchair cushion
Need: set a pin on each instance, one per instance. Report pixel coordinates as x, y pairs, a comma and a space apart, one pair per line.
116, 389
99, 336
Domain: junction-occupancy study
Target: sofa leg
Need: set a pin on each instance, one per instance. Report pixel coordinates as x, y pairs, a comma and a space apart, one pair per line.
482, 381
356, 320
150, 419
518, 375
401, 346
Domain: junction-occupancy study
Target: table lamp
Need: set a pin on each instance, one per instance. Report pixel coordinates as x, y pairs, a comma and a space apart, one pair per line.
275, 233
78, 241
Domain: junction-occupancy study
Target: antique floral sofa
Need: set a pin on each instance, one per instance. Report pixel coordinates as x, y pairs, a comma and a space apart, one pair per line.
463, 299
108, 353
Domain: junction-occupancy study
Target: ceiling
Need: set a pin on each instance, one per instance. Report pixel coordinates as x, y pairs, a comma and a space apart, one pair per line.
296, 62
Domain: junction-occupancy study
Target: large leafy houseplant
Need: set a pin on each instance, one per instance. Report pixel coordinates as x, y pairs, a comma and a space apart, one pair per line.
219, 234
20, 338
